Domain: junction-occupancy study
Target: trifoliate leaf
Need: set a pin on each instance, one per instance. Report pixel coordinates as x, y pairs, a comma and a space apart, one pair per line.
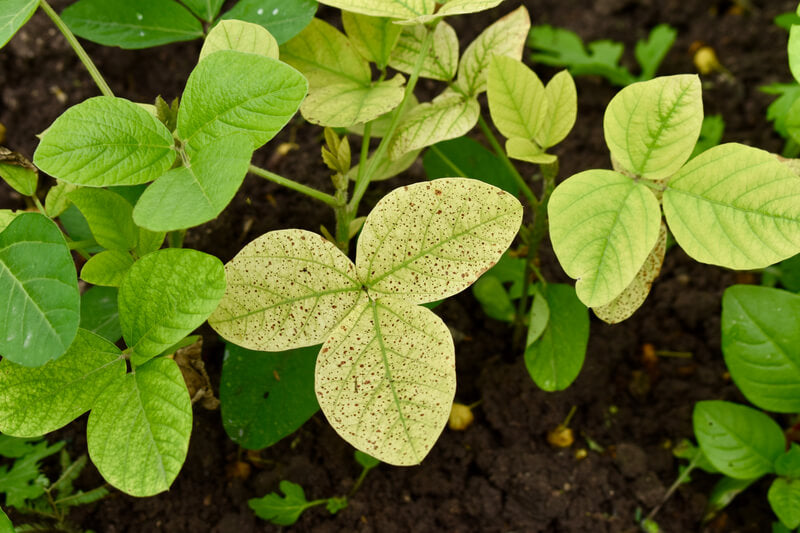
282, 511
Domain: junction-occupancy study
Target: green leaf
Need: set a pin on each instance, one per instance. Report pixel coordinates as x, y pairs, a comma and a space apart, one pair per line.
563, 99
778, 111
788, 464
449, 116
107, 268
40, 288
739, 441
651, 52
5, 524
460, 7
194, 194
538, 319
735, 206
517, 100
282, 19
603, 225
15, 447
57, 199
266, 396
23, 481
165, 296
794, 51
18, 172
784, 498
634, 295
205, 9
723, 493
35, 401
346, 104
651, 127
366, 461
100, 312
710, 134
140, 24
242, 37
398, 9
387, 396
493, 297
325, 57
149, 241
505, 37
555, 360
373, 37
286, 289
15, 14
105, 141
526, 150
139, 428
761, 344
786, 20
431, 240
110, 218
792, 121
231, 91
467, 158
6, 216
441, 62
558, 47
282, 511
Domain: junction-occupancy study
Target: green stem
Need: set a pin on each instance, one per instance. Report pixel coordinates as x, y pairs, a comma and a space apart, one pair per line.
39, 205
678, 482
175, 238
487, 131
363, 181
80, 245
76, 46
291, 184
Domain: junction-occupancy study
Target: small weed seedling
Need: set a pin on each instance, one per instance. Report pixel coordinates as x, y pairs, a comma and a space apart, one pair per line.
28, 491
285, 510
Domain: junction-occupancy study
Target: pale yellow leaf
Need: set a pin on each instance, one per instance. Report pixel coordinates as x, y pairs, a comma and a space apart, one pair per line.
525, 150
373, 37
442, 60
517, 101
401, 9
346, 104
240, 36
563, 109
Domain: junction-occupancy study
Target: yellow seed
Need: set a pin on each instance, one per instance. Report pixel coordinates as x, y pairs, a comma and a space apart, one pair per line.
705, 60
460, 417
561, 437
580, 454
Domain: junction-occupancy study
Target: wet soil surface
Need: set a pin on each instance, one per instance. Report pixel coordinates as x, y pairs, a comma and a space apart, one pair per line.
500, 474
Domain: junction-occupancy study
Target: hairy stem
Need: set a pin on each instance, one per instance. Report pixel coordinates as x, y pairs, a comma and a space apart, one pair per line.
526, 191
76, 46
295, 186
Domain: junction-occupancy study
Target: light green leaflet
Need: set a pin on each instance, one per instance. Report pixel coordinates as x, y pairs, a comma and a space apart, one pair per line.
739, 441
603, 225
402, 9
40, 288
61, 391
563, 108
784, 498
231, 92
286, 289
57, 199
385, 394
18, 172
505, 37
7, 215
325, 57
421, 243
431, 240
761, 344
15, 14
5, 524
517, 100
191, 195
240, 36
442, 60
126, 24
373, 37
343, 105
651, 127
527, 150
736, 207
105, 141
107, 268
634, 295
165, 296
109, 216
138, 431
449, 116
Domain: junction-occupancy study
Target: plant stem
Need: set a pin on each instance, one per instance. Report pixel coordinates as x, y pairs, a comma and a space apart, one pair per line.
678, 482
291, 184
39, 205
175, 238
76, 46
487, 131
79, 245
363, 181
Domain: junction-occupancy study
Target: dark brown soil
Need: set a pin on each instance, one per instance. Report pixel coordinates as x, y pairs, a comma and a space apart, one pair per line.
500, 474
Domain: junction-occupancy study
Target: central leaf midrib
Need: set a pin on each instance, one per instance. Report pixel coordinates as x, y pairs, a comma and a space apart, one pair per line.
384, 358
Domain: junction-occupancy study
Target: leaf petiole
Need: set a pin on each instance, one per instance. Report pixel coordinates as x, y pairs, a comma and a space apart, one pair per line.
295, 186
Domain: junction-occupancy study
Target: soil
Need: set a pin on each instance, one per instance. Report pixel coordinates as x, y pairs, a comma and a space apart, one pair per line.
500, 474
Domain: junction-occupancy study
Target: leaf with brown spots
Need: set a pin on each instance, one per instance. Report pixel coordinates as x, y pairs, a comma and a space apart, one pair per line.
431, 240
386, 379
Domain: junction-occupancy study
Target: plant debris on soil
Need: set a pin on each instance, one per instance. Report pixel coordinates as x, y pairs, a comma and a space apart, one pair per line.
500, 474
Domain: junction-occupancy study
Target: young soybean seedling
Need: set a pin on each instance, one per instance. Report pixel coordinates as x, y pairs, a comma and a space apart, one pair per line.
385, 375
